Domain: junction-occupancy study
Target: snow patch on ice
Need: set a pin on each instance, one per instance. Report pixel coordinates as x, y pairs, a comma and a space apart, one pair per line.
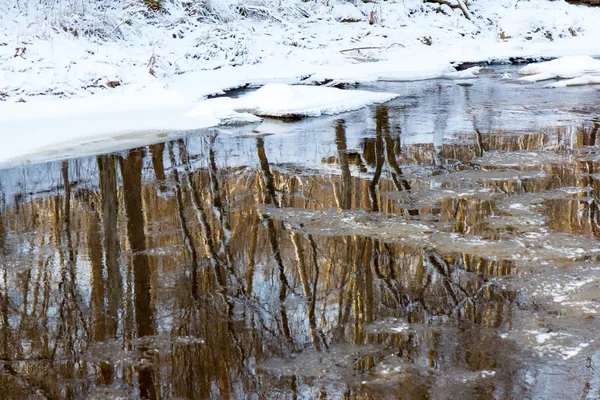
281, 100
565, 67
581, 81
469, 73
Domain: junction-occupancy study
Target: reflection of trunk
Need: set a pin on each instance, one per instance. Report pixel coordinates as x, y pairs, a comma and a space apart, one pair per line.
478, 143
306, 289
251, 255
379, 159
187, 238
441, 267
5, 322
44, 310
209, 246
368, 283
97, 283
110, 209
383, 128
345, 203
401, 184
356, 290
157, 161
388, 279
327, 288
221, 214
270, 198
68, 309
38, 280
98, 290
283, 284
346, 191
67, 217
268, 179
313, 301
345, 296
218, 206
4, 293
131, 171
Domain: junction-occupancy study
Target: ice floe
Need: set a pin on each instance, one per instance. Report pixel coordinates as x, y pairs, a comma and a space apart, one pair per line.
569, 67
281, 100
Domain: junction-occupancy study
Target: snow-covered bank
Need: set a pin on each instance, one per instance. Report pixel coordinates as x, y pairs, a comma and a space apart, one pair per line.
72, 49
565, 67
44, 131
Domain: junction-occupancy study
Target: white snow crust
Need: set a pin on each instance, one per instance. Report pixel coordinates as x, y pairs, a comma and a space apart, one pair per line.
564, 67
281, 100
64, 48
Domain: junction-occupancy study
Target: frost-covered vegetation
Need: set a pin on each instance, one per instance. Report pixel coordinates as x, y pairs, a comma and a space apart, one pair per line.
76, 47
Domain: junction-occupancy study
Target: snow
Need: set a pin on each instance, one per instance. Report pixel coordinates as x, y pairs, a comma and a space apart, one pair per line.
74, 49
543, 337
420, 67
112, 122
346, 12
64, 58
281, 100
582, 80
469, 73
564, 67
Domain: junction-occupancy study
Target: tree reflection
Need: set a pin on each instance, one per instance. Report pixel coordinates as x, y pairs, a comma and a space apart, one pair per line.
110, 211
131, 172
271, 281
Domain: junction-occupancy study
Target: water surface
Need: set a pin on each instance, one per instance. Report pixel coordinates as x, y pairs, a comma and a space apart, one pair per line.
444, 245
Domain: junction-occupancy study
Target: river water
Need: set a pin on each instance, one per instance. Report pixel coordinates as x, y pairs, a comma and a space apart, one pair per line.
441, 246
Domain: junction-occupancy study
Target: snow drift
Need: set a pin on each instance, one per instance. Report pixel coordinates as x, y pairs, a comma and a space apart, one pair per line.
565, 67
281, 100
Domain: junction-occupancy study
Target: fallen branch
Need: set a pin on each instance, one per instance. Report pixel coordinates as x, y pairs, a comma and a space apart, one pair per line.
361, 48
371, 47
459, 4
464, 9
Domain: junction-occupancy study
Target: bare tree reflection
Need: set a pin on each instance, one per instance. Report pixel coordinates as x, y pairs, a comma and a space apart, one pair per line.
131, 171
241, 281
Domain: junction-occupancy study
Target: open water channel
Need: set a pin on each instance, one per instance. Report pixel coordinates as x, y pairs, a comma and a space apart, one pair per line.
444, 245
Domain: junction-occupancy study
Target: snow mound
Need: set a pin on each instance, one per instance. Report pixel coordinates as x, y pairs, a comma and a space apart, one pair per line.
469, 73
346, 12
281, 100
581, 81
413, 68
565, 67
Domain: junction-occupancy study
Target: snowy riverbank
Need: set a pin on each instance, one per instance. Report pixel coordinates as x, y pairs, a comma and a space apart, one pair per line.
80, 48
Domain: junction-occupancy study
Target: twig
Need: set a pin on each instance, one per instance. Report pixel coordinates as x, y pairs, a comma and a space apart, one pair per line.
361, 48
372, 47
125, 21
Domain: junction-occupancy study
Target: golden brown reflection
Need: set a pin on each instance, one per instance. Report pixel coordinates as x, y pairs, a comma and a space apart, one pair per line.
176, 276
